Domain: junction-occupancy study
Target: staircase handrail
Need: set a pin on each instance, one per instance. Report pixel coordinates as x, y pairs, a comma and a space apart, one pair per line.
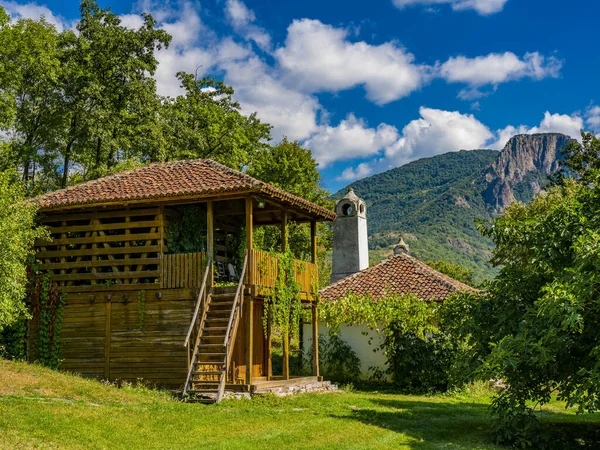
236, 313
198, 303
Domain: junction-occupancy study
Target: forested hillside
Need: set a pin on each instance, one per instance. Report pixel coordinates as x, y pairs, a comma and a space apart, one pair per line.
434, 203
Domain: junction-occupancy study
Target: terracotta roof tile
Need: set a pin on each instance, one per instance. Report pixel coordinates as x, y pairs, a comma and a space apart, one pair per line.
163, 181
401, 274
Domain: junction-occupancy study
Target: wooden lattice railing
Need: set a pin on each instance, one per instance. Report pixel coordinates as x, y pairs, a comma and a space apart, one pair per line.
103, 250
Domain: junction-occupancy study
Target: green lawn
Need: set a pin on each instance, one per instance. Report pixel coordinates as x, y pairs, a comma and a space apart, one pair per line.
40, 408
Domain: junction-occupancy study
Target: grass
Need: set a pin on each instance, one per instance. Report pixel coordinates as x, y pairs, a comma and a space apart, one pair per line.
40, 408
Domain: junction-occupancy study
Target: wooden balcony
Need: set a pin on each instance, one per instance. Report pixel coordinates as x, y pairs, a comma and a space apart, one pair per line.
185, 271
264, 269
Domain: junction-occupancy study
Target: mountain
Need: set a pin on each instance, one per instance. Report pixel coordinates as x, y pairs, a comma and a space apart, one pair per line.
433, 203
522, 168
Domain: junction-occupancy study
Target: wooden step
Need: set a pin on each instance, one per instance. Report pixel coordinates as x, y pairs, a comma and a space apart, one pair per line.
212, 354
222, 320
221, 297
219, 303
215, 329
204, 391
208, 363
208, 373
211, 345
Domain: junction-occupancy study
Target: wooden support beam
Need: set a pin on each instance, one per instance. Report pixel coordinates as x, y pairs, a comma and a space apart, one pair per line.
107, 340
284, 221
286, 353
210, 240
315, 338
269, 350
313, 242
249, 339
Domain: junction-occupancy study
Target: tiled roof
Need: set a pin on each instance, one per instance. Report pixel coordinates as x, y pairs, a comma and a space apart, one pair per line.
401, 274
163, 181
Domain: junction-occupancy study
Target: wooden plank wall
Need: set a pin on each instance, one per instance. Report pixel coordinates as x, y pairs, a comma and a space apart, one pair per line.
103, 250
103, 335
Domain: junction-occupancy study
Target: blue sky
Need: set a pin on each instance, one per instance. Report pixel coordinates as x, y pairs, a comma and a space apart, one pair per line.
372, 85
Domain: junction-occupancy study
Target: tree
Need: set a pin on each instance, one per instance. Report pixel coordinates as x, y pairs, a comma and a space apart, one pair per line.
17, 236
206, 122
29, 79
108, 94
452, 270
536, 325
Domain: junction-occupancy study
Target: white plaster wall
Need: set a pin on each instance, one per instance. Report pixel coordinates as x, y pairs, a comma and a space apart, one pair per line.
363, 243
362, 340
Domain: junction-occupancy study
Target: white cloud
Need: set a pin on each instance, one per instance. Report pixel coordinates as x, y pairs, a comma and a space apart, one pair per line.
483, 7
291, 113
351, 174
551, 123
352, 138
435, 132
33, 11
592, 118
242, 18
319, 57
496, 68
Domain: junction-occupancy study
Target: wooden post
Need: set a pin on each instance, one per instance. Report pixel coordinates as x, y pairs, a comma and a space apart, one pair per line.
313, 241
286, 335
315, 338
269, 351
107, 339
249, 302
210, 240
284, 221
286, 353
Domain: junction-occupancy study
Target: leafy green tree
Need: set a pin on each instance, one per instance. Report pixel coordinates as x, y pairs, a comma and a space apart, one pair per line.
206, 122
29, 79
452, 270
108, 96
17, 235
536, 325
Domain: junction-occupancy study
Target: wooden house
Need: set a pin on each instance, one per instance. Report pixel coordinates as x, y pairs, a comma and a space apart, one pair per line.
142, 257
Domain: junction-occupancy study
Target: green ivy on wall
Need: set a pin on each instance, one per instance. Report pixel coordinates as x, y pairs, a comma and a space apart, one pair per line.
283, 308
47, 307
186, 231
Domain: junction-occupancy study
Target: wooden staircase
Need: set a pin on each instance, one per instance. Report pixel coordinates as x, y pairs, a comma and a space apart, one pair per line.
217, 326
209, 366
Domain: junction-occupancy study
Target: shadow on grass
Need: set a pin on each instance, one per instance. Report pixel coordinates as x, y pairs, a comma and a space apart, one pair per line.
467, 425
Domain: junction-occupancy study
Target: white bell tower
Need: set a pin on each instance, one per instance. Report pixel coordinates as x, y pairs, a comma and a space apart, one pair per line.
350, 241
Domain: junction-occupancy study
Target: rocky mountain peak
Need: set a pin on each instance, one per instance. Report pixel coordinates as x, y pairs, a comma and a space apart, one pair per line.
522, 167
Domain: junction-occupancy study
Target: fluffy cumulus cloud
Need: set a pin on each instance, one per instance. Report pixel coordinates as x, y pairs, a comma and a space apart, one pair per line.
483, 7
435, 131
570, 125
352, 138
592, 118
496, 68
319, 57
242, 19
33, 11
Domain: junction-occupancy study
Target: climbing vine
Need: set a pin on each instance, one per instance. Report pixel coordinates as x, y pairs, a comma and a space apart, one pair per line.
141, 308
283, 308
47, 306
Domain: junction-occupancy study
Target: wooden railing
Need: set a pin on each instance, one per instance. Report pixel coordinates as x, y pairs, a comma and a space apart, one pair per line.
182, 270
201, 306
264, 267
232, 327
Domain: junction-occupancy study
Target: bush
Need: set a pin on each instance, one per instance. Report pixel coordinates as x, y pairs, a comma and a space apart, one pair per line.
420, 365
